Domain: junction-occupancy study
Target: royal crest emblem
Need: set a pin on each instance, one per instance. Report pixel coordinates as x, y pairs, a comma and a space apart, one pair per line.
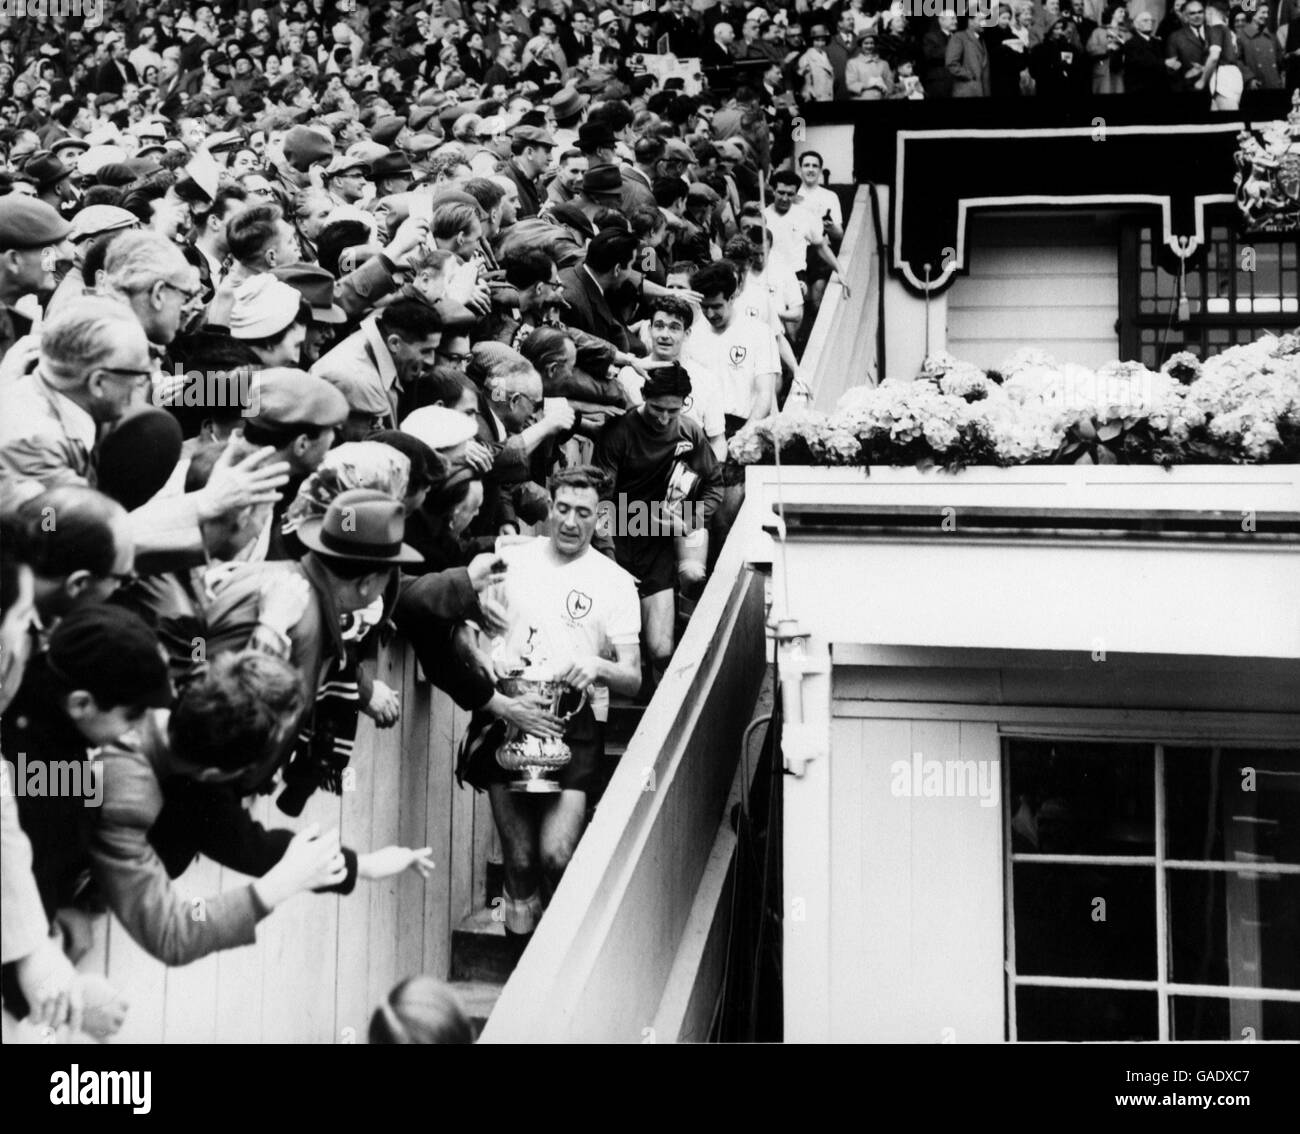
1268, 175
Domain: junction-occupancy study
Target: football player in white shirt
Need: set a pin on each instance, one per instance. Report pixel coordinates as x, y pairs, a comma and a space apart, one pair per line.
738, 349
795, 229
574, 615
824, 204
741, 351
664, 333
816, 198
770, 294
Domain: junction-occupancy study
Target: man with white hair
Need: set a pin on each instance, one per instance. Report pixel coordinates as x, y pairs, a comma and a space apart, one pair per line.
151, 275
93, 365
93, 359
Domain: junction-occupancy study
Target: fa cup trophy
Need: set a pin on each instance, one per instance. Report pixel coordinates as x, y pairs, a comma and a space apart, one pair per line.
535, 760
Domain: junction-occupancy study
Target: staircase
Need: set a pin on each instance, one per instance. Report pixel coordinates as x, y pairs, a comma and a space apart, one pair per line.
482, 958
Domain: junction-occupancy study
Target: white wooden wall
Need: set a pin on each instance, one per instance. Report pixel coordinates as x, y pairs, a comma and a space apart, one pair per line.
1050, 283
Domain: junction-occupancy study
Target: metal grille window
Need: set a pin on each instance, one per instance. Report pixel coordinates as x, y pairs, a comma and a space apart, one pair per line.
1236, 288
1152, 891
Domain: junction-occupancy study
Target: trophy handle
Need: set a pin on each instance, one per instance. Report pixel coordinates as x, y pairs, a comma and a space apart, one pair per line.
582, 704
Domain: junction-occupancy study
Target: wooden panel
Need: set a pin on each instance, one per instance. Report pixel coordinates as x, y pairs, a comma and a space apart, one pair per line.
322, 963
915, 887
1036, 285
191, 1006
871, 892
300, 954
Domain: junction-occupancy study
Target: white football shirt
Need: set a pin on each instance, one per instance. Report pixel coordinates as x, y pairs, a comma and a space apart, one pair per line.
735, 357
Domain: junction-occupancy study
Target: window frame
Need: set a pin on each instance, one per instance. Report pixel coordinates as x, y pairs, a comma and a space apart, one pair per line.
1220, 226
1163, 987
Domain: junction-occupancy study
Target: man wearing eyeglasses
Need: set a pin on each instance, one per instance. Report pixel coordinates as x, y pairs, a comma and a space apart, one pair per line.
94, 362
151, 275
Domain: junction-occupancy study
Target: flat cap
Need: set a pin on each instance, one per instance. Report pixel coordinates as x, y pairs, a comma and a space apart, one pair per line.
304, 146
423, 144
344, 162
95, 220
676, 150
316, 286
283, 397
26, 222
385, 131
534, 134
439, 427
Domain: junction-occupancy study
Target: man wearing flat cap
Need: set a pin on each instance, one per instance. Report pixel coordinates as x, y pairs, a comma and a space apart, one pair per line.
297, 415
31, 233
315, 285
530, 157
345, 178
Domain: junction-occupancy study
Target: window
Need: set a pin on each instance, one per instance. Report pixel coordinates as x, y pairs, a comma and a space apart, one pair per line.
1236, 288
1153, 891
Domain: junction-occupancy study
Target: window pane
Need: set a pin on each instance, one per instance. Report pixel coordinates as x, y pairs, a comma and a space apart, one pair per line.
1085, 1014
1208, 1018
1070, 797
1249, 796
1233, 929
1085, 921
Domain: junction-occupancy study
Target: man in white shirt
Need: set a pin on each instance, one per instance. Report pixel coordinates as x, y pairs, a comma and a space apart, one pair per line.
741, 353
736, 349
795, 229
573, 615
816, 198
664, 333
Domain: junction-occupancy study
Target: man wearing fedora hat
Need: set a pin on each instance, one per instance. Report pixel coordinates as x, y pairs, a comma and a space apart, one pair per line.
354, 552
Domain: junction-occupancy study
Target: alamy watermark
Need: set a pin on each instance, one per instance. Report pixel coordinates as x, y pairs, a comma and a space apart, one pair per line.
951, 779
983, 12
90, 12
208, 389
58, 779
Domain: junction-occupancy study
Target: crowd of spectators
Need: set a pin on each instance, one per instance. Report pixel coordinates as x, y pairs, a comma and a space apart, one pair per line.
322, 326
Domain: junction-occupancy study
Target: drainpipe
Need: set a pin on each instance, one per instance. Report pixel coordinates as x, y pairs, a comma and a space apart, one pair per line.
800, 741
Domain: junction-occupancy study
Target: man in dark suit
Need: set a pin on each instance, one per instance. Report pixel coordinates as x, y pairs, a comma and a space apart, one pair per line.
1198, 50
840, 50
934, 56
117, 72
586, 285
968, 63
1145, 71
